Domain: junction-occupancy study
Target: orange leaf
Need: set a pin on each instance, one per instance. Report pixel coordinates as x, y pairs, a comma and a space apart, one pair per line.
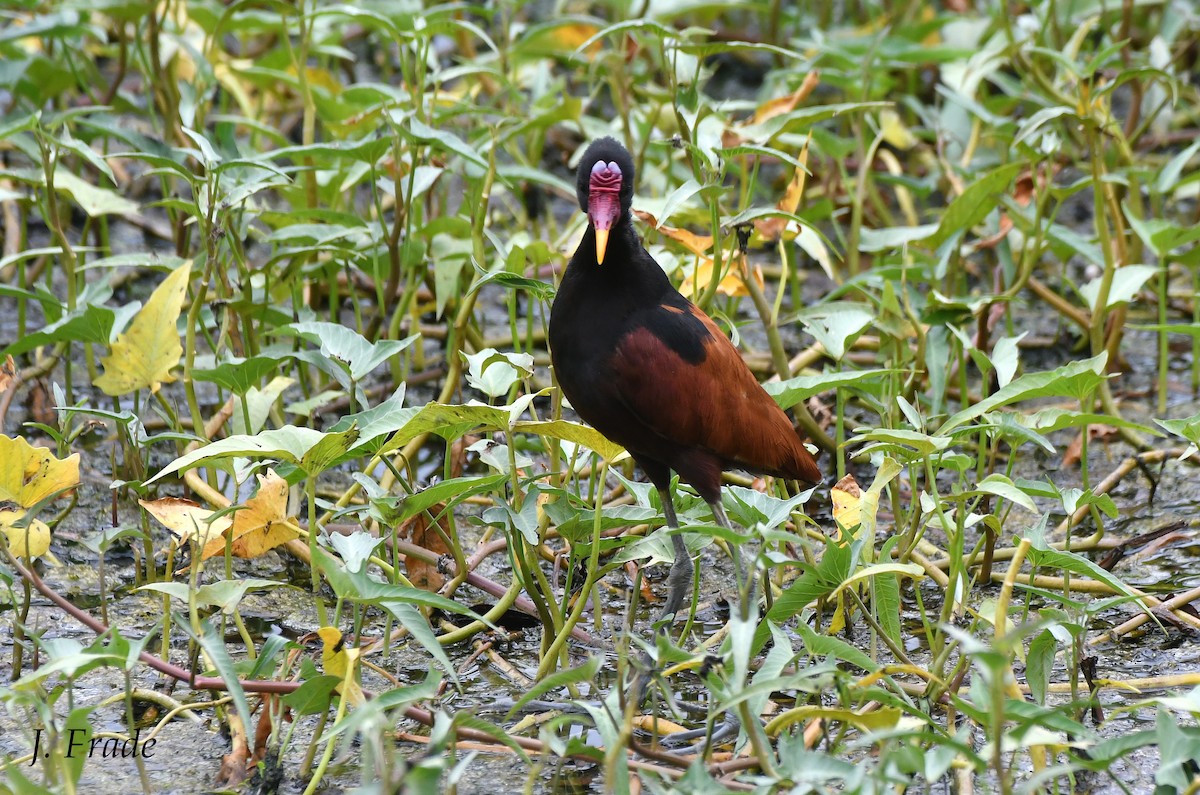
8, 374
781, 105
697, 244
424, 533
261, 524
772, 228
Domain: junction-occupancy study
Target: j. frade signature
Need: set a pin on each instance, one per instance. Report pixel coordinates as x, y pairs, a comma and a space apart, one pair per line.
78, 744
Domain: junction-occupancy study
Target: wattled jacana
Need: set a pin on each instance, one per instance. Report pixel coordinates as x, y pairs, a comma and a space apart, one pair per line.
649, 370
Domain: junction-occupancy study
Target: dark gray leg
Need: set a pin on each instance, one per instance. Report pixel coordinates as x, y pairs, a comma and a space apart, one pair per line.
745, 589
679, 580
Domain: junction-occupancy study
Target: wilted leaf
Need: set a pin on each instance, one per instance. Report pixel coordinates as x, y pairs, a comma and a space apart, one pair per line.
261, 524
846, 497
30, 475
422, 531
184, 517
697, 244
773, 227
8, 374
786, 104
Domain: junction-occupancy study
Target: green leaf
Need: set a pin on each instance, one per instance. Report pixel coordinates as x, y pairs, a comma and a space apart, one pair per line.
328, 450
571, 676
445, 140
348, 346
1001, 486
418, 627
893, 237
1168, 178
494, 373
1071, 380
974, 203
824, 645
1031, 125
885, 594
1005, 355
399, 509
794, 390
812, 584
239, 375
572, 432
1042, 554
289, 443
1039, 664
78, 725
834, 325
1126, 282
910, 570
892, 438
1188, 428
213, 643
314, 695
1050, 420
224, 594
91, 323
93, 200
754, 507
1179, 747
362, 587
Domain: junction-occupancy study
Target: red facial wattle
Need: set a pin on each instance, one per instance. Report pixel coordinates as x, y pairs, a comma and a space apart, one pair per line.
604, 202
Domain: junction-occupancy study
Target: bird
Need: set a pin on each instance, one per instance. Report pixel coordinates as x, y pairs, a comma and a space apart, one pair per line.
653, 373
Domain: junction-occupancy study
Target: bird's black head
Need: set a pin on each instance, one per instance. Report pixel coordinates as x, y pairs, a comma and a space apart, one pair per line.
605, 187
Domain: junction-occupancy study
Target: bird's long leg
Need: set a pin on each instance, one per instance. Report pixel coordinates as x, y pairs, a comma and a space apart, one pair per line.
679, 580
745, 589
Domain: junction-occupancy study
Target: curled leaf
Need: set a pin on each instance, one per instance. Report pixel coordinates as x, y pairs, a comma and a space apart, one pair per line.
28, 476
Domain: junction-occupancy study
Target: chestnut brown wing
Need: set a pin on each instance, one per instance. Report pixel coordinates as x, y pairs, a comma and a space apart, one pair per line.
682, 377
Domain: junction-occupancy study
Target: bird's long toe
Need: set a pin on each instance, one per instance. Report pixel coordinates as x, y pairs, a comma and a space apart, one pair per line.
679, 579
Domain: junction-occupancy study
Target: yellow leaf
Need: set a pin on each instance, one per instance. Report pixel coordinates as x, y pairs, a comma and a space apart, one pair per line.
145, 353
260, 524
868, 718
846, 497
837, 621
562, 40
24, 542
731, 284
895, 132
574, 34
341, 661
333, 657
28, 476
228, 74
184, 517
653, 723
